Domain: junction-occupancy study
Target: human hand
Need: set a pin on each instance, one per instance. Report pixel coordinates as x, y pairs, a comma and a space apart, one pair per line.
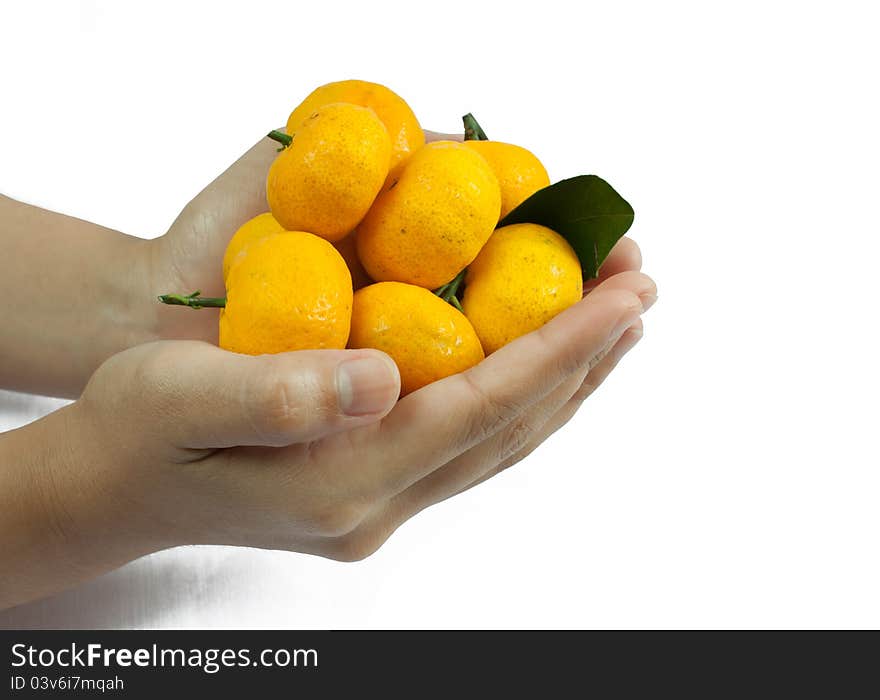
190, 444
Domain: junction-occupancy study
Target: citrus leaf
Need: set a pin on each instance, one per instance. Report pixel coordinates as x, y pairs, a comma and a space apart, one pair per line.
472, 129
585, 210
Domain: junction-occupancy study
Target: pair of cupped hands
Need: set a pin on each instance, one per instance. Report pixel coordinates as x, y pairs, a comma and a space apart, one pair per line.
310, 451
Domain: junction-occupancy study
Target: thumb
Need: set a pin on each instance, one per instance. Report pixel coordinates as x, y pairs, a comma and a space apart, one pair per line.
211, 398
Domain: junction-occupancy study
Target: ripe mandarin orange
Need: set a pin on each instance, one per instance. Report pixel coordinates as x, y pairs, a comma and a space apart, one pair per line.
520, 174
428, 338
435, 219
258, 228
403, 127
326, 179
290, 291
523, 277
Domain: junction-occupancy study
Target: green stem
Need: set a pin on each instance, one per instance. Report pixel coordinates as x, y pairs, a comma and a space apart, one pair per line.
472, 129
448, 292
454, 285
281, 138
440, 291
193, 301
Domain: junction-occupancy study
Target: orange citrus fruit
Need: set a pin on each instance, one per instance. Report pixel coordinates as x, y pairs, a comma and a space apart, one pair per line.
256, 229
523, 277
428, 338
520, 174
403, 127
290, 291
326, 179
434, 220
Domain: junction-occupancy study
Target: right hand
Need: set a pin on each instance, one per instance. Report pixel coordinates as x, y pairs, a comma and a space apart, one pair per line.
190, 444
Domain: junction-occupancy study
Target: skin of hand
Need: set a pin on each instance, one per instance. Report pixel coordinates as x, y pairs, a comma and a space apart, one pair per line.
74, 293
180, 442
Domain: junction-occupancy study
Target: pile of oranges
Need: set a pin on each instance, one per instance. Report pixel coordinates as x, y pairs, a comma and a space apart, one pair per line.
375, 239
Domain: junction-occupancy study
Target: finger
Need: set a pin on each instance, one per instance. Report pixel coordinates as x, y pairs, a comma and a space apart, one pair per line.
517, 439
593, 380
206, 397
631, 279
625, 256
470, 465
431, 426
600, 372
379, 525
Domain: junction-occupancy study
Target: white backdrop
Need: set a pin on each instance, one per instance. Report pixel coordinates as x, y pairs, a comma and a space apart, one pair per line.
726, 474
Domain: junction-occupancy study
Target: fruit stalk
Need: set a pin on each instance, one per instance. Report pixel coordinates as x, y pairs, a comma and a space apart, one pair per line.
193, 301
449, 291
284, 139
472, 129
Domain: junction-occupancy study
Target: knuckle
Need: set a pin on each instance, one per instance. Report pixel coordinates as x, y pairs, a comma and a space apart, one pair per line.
338, 520
486, 414
518, 456
584, 391
597, 358
146, 370
562, 361
356, 546
278, 409
514, 458
153, 382
515, 438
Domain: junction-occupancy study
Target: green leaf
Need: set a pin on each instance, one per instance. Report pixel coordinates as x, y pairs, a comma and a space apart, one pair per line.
472, 129
585, 210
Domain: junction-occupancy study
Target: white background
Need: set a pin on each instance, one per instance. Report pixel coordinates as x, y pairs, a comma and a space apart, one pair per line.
725, 476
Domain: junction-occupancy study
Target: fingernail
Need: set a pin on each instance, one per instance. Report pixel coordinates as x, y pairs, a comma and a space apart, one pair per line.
628, 341
365, 385
648, 300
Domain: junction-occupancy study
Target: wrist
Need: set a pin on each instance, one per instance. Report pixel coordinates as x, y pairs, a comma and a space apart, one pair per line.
91, 299
95, 495
111, 486
64, 516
